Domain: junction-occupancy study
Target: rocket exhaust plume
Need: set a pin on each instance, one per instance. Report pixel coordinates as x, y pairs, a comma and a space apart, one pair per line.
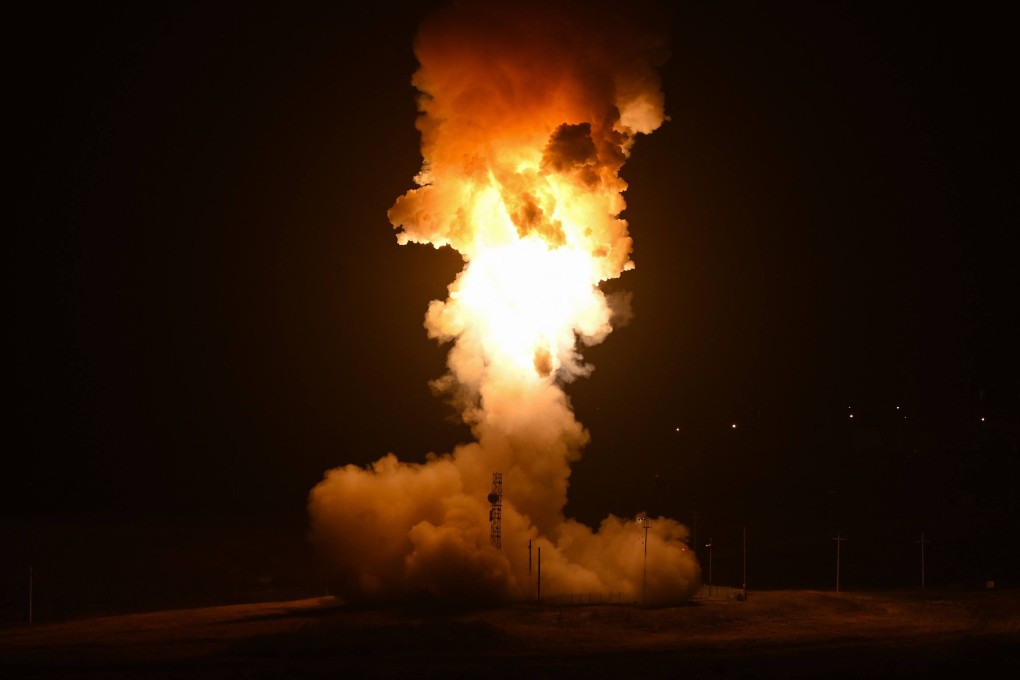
527, 114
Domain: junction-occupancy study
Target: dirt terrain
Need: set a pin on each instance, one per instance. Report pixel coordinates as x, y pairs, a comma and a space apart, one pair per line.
773, 634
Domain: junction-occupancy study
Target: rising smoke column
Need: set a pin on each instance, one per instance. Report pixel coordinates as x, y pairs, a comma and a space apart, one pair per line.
527, 114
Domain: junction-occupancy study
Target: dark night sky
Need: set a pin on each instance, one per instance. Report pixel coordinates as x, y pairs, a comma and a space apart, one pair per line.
209, 307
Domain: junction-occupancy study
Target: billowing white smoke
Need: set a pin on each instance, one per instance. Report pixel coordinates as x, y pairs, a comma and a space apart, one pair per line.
527, 115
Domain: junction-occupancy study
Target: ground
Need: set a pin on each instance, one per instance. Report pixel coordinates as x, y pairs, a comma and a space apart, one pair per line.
773, 634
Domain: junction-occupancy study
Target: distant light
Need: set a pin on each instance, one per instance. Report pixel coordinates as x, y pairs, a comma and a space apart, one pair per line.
851, 415
982, 419
678, 429
897, 408
733, 426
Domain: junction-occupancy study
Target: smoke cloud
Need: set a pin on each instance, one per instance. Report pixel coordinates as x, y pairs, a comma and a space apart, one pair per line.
527, 114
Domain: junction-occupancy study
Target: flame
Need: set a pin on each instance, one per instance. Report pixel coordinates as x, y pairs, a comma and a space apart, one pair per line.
527, 116
524, 301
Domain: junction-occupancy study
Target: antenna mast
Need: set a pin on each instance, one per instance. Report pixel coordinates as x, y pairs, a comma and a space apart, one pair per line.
496, 510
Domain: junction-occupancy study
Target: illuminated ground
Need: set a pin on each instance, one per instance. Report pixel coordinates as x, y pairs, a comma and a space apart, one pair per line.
772, 634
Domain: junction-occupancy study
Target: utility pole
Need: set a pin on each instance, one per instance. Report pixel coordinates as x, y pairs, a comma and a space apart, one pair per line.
838, 539
539, 598
922, 542
743, 530
695, 517
709, 546
646, 523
